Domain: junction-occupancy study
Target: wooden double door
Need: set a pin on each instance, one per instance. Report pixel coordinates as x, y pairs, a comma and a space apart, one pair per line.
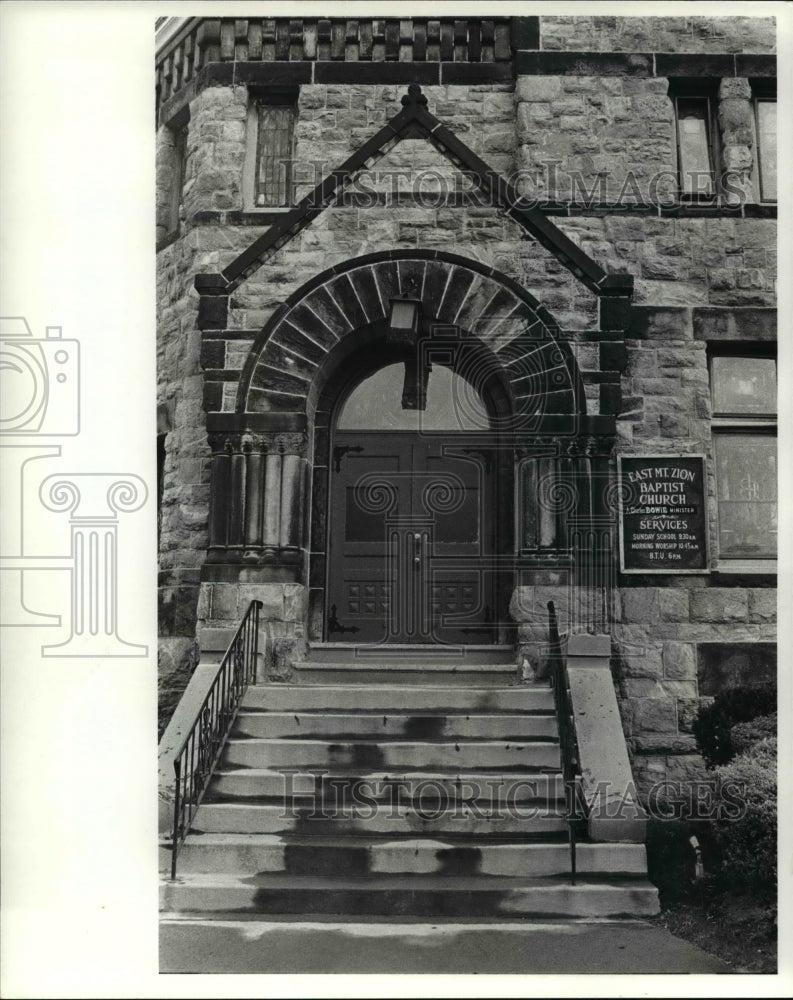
414, 538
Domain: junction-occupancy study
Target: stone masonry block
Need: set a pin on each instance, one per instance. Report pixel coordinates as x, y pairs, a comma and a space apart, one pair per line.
640, 605
737, 158
656, 323
648, 771
735, 87
687, 709
655, 715
223, 602
680, 689
679, 661
641, 663
295, 596
673, 604
642, 687
685, 768
719, 604
735, 114
538, 88
270, 594
667, 743
763, 604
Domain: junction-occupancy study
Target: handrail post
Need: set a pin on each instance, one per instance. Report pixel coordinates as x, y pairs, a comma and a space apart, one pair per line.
177, 803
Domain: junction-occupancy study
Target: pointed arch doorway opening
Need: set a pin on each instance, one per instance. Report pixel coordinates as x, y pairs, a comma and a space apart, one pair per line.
420, 514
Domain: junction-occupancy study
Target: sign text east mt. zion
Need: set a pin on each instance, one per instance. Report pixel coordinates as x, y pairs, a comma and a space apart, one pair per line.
663, 523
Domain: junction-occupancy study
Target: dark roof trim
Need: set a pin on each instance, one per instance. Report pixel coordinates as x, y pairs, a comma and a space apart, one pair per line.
415, 121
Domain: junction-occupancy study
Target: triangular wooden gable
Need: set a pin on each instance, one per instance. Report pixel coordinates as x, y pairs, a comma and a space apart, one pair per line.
415, 121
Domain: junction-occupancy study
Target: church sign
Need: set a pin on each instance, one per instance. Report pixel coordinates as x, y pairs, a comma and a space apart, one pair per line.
663, 517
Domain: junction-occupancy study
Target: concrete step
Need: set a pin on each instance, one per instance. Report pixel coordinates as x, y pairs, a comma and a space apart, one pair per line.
363, 819
251, 853
410, 895
396, 653
418, 787
371, 754
390, 697
335, 674
390, 725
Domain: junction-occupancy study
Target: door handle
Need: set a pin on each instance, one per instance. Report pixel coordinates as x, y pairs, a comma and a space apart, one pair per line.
417, 548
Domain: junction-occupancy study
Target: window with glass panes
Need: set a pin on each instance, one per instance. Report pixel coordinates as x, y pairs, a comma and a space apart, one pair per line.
695, 155
765, 123
274, 154
743, 393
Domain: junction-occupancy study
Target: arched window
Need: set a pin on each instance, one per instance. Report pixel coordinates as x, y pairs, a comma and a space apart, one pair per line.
452, 404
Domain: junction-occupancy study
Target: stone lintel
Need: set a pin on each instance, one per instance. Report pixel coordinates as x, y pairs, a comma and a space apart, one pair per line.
735, 323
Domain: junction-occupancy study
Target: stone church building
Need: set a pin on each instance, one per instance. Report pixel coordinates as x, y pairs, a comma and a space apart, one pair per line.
457, 317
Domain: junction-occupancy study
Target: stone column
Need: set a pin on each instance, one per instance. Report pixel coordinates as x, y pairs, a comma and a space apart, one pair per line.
236, 501
94, 501
547, 514
219, 497
291, 502
258, 490
736, 123
272, 504
254, 497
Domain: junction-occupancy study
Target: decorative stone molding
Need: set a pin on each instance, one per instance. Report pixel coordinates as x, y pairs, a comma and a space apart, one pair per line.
201, 43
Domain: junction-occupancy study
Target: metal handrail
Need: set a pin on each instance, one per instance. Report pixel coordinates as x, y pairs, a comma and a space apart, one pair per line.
571, 767
200, 750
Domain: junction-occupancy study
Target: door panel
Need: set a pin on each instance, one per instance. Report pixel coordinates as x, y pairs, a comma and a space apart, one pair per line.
411, 520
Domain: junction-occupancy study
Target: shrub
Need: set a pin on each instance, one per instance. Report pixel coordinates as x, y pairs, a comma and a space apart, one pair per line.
745, 734
748, 844
713, 722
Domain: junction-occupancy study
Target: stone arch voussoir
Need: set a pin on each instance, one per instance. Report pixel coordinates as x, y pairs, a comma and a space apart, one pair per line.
288, 355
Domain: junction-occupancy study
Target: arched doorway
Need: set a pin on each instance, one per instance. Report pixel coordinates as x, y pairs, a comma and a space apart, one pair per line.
273, 462
419, 518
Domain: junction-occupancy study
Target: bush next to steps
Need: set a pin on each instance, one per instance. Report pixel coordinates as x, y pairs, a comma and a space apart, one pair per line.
747, 842
744, 735
714, 723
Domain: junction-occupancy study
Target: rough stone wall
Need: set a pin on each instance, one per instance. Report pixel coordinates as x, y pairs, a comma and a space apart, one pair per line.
658, 34
656, 635
608, 136
667, 409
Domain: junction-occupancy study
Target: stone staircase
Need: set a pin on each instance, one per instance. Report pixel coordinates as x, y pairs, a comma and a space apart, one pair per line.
384, 797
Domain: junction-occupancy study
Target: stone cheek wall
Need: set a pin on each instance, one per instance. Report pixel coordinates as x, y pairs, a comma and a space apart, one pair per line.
589, 123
